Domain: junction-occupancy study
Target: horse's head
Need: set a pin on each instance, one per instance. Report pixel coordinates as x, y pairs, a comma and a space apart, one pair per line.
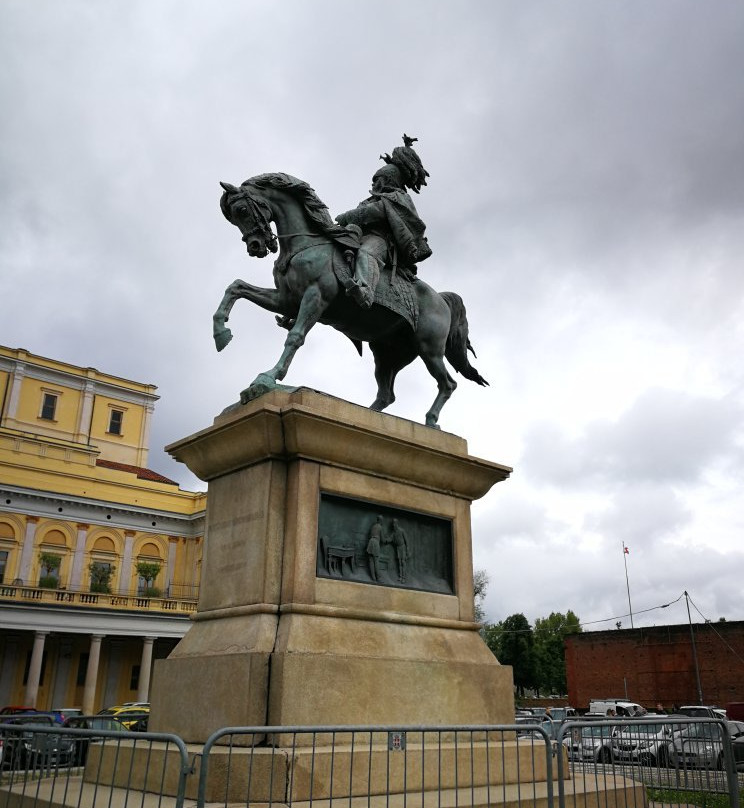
244, 208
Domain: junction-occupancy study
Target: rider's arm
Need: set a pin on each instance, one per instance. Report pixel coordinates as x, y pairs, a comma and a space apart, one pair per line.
365, 215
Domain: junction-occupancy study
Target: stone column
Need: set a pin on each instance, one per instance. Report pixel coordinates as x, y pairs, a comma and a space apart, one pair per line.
34, 670
125, 575
145, 667
77, 562
91, 674
27, 554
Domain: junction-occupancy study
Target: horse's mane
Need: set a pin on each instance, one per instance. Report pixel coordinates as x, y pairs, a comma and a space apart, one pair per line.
316, 210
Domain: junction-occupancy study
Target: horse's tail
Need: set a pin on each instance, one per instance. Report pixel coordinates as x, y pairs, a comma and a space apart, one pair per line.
458, 343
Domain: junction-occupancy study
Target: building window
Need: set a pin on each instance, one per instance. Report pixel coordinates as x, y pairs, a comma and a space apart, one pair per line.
3, 564
48, 406
49, 575
147, 573
101, 573
116, 417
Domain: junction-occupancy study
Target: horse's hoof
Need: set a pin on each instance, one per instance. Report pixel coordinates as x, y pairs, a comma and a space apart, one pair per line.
285, 322
432, 423
222, 338
263, 383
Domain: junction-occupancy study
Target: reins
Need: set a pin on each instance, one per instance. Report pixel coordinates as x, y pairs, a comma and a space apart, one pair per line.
282, 263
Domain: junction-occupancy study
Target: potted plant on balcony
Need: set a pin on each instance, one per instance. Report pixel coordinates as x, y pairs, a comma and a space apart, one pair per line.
148, 571
50, 564
100, 576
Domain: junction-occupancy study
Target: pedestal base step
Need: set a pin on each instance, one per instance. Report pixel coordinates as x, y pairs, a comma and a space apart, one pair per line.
582, 792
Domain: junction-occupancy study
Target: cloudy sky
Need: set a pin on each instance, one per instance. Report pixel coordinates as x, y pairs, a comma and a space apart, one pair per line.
586, 200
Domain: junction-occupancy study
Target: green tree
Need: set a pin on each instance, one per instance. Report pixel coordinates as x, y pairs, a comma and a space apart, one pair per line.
492, 634
149, 571
480, 584
516, 646
550, 662
50, 564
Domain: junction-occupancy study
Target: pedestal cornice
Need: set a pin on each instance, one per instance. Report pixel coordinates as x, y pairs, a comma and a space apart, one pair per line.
305, 425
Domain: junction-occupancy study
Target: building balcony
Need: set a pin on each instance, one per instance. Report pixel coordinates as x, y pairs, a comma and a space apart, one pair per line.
20, 593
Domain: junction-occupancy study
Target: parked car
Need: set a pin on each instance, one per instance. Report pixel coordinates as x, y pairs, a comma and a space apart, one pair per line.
562, 713
590, 743
25, 748
15, 710
647, 743
700, 745
618, 706
93, 722
129, 714
737, 746
528, 723
699, 711
63, 713
141, 724
531, 722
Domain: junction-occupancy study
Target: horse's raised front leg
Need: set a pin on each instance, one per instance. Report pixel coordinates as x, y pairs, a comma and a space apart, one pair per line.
266, 298
311, 308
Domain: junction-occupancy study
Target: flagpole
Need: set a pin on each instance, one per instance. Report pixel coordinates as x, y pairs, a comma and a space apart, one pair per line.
627, 584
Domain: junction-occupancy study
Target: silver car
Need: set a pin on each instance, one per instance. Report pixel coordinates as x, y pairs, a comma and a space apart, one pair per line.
647, 743
700, 745
591, 743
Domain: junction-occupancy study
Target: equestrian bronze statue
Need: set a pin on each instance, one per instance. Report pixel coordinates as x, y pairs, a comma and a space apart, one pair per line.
358, 274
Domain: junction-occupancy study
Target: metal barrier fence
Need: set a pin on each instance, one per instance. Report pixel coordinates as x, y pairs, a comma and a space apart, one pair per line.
377, 766
85, 768
678, 761
576, 764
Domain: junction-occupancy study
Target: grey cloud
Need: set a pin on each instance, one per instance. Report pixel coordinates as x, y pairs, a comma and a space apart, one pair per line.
666, 436
642, 510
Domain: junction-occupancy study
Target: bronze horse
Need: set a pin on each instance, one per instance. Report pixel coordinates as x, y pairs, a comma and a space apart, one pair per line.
309, 291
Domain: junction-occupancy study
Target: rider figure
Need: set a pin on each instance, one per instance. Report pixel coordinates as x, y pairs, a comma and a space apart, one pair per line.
392, 232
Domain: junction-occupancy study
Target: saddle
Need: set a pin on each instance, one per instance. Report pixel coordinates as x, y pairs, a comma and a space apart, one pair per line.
394, 290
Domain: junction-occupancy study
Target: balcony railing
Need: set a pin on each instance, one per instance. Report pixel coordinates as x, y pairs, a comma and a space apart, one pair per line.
20, 592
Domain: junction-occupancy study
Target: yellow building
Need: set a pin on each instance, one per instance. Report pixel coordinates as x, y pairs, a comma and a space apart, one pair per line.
81, 520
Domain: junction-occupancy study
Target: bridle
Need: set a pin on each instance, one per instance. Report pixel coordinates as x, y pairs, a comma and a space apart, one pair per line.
261, 216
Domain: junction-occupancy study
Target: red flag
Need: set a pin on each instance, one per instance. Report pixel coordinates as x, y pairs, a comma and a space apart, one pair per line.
626, 550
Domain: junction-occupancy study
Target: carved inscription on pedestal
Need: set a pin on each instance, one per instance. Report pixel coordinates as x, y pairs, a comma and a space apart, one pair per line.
360, 541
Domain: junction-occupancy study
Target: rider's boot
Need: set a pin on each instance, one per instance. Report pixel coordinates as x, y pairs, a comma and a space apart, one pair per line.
363, 295
358, 287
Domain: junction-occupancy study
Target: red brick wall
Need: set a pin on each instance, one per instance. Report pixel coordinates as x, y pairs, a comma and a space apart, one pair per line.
657, 664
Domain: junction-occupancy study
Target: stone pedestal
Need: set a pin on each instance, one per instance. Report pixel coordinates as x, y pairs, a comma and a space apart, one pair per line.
291, 627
